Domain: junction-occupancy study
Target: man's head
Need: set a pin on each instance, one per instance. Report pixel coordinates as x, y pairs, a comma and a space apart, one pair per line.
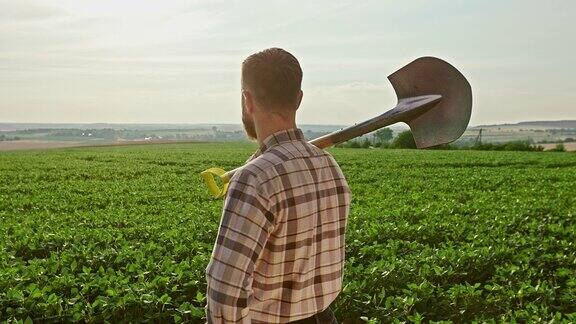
271, 88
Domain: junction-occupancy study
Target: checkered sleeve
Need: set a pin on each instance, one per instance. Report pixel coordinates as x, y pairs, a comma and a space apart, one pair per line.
245, 226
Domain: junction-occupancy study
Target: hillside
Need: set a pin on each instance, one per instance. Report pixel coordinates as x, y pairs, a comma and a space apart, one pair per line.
543, 124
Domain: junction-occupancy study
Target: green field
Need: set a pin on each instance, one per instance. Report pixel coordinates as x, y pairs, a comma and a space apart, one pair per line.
125, 233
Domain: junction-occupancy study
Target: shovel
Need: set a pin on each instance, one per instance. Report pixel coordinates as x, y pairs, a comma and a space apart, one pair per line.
434, 99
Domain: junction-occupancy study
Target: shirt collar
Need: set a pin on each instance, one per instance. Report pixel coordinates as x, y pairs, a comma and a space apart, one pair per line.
279, 137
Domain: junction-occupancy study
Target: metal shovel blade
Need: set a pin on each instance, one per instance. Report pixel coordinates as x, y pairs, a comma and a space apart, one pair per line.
448, 119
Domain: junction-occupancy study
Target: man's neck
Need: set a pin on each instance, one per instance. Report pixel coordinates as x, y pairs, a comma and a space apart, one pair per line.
273, 124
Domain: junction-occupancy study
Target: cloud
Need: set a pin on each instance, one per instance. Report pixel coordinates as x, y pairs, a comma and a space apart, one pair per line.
24, 11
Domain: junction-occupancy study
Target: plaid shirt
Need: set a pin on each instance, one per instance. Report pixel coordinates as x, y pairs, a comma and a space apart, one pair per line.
279, 255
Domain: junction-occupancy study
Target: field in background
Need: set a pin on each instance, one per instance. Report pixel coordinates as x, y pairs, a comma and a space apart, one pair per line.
14, 136
567, 146
551, 132
36, 144
26, 136
112, 233
24, 145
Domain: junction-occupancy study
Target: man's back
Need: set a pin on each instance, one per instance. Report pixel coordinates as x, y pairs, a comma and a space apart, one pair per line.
282, 234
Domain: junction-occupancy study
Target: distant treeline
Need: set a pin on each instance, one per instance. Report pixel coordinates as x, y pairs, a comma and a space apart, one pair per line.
8, 138
405, 140
566, 140
110, 134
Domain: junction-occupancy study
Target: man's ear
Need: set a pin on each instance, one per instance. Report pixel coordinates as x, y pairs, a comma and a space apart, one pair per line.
300, 98
248, 101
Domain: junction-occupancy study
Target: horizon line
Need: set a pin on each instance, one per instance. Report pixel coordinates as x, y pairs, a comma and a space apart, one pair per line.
307, 124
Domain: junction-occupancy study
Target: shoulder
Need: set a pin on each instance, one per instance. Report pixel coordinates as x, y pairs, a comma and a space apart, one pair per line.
280, 156
253, 176
245, 190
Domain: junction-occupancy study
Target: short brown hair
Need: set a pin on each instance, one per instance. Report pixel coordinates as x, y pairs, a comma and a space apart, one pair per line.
274, 76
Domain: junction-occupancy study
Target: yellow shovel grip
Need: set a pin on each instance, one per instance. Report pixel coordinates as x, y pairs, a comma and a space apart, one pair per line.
209, 176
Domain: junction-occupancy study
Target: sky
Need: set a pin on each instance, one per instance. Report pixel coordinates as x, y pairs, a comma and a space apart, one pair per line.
140, 61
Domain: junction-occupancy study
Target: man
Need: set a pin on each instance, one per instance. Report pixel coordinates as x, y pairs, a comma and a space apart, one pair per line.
279, 255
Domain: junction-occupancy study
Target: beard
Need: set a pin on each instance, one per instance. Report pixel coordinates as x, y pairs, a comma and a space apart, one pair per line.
249, 127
